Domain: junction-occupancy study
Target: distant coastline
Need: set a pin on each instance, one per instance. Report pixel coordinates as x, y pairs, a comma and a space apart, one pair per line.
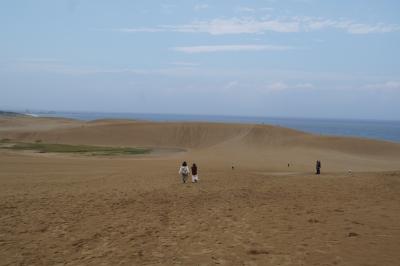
11, 114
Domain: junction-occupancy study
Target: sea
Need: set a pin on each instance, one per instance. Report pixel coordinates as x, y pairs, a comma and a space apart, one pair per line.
372, 129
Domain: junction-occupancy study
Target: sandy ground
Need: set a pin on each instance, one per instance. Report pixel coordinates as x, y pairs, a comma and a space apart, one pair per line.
77, 210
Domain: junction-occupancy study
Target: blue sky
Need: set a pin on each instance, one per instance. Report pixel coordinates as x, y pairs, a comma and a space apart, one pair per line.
291, 58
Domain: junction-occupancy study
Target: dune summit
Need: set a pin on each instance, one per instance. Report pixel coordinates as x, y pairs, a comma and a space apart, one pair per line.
270, 210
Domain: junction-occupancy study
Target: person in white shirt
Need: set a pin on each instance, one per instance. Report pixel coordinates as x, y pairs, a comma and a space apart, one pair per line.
184, 172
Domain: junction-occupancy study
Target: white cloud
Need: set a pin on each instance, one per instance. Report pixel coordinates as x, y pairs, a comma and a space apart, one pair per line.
311, 24
388, 85
222, 26
140, 30
199, 7
277, 86
378, 28
184, 64
282, 86
229, 48
304, 86
245, 9
231, 84
236, 26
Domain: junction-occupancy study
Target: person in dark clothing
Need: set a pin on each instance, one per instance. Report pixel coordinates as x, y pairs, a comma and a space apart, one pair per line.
318, 167
195, 176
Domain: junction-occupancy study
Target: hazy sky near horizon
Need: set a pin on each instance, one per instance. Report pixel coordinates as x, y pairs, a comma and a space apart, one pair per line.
297, 58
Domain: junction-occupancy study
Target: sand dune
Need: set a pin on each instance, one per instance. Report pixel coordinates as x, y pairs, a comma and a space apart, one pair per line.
31, 124
133, 210
241, 144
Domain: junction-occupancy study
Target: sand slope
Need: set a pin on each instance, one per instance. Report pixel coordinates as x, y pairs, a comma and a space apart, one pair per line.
247, 146
88, 212
77, 210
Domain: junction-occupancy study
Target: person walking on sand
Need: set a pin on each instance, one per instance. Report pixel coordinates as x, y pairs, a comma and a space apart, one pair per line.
184, 172
318, 167
195, 176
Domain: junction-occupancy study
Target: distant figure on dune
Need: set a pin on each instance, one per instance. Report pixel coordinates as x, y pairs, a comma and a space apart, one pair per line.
184, 172
318, 167
195, 176
350, 172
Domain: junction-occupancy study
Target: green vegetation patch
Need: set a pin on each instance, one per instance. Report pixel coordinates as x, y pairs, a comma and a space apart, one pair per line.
80, 149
